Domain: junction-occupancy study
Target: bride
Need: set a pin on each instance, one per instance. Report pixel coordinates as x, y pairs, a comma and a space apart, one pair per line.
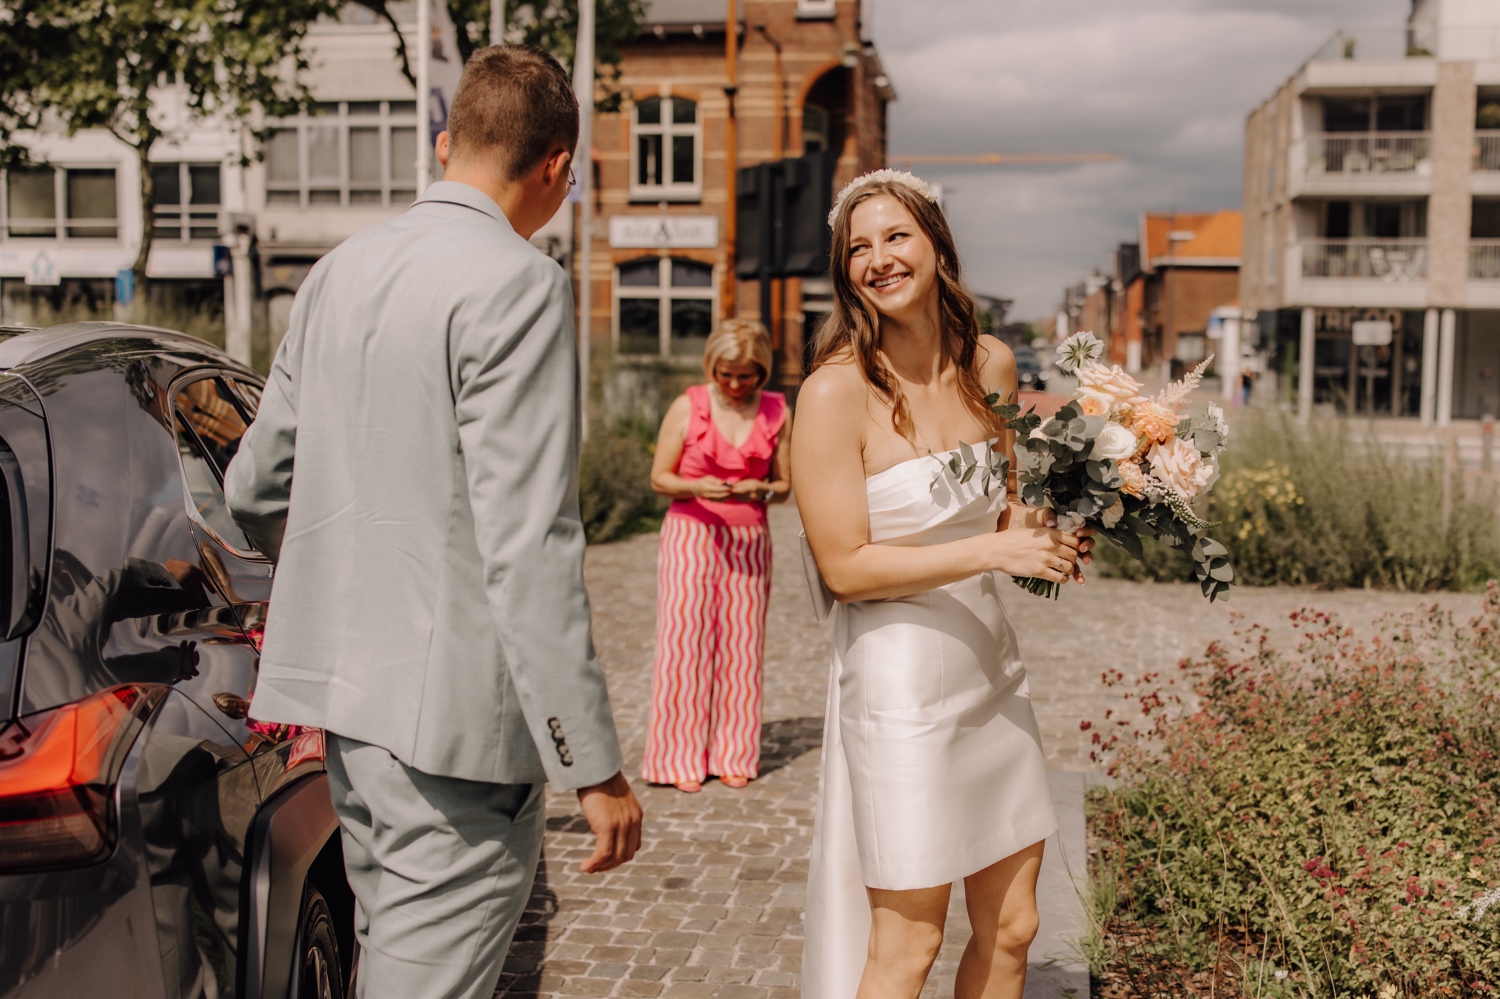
932, 764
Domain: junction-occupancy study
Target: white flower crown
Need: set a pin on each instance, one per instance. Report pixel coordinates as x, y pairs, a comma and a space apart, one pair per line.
886, 176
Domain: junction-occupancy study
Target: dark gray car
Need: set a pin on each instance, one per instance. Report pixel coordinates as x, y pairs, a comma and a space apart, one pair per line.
154, 842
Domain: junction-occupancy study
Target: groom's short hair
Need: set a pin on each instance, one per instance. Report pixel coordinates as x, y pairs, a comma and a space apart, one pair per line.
515, 103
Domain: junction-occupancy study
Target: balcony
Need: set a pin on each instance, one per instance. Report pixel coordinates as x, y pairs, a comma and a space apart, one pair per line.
1391, 261
1369, 163
1484, 260
1387, 43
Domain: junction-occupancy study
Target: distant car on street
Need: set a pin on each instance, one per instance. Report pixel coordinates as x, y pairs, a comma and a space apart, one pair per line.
1029, 374
154, 842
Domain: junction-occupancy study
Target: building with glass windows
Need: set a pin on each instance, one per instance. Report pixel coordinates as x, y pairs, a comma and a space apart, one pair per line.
1371, 255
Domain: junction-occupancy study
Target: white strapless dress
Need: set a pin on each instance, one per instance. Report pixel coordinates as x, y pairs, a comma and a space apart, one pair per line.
932, 763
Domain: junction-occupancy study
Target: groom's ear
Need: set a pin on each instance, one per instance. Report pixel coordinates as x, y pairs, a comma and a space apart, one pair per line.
442, 148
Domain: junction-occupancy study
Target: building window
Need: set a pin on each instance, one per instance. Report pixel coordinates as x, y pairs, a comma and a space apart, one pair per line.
666, 150
664, 306
185, 200
814, 129
346, 153
816, 8
88, 198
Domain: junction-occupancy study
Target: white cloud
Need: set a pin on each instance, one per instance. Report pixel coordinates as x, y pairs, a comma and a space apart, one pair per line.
1166, 83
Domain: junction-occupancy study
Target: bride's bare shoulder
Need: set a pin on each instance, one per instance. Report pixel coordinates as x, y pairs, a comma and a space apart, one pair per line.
835, 383
995, 361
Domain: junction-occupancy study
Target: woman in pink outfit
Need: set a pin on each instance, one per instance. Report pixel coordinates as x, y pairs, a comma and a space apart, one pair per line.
722, 456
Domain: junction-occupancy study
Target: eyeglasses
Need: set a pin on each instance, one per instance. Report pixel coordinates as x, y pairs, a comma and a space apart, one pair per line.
572, 180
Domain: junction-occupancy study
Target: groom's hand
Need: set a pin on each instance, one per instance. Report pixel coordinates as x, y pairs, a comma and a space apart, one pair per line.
615, 817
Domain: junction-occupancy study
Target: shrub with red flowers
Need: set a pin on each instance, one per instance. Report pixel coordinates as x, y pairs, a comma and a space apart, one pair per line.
1317, 823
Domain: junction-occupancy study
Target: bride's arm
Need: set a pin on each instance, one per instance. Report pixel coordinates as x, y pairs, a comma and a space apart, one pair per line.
830, 485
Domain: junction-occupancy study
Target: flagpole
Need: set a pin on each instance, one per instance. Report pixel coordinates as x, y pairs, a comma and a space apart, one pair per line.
497, 22
424, 94
583, 86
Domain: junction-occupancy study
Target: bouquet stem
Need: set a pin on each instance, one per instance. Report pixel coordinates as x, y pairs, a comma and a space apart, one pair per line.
1038, 587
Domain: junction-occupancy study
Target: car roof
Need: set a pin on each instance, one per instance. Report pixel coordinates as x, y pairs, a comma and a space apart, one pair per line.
22, 346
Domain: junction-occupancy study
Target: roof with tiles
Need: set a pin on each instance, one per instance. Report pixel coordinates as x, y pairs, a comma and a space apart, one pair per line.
1192, 238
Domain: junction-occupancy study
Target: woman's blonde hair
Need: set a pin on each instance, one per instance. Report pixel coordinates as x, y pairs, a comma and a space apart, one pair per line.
854, 326
736, 341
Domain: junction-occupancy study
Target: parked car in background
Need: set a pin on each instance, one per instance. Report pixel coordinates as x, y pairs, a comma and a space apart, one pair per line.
1029, 374
154, 842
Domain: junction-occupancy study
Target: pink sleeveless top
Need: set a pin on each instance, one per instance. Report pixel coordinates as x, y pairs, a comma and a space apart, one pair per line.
706, 452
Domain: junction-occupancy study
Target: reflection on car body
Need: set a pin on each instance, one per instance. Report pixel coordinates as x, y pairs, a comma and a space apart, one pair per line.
138, 802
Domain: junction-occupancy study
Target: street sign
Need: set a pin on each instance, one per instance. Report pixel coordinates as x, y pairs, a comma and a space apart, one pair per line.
1371, 333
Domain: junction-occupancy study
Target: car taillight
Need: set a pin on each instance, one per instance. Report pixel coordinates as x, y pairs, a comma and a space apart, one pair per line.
58, 770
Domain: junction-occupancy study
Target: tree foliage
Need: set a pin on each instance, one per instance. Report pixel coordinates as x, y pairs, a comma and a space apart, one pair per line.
83, 64
551, 25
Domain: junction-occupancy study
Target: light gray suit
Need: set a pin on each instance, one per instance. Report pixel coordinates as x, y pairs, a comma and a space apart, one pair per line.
412, 471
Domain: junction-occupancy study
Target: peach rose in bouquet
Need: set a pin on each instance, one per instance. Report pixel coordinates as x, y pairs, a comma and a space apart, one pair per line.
1109, 389
1180, 465
1154, 421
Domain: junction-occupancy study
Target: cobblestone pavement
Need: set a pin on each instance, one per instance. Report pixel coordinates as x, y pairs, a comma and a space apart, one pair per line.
713, 905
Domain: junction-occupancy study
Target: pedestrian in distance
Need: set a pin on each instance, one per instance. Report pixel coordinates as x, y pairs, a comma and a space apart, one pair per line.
1247, 383
413, 474
932, 767
722, 456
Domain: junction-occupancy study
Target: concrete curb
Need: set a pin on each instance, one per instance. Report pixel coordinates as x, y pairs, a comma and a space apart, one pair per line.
1057, 968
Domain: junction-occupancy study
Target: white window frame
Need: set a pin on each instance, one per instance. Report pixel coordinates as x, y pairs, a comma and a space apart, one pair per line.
390, 192
185, 213
61, 220
820, 9
662, 293
672, 189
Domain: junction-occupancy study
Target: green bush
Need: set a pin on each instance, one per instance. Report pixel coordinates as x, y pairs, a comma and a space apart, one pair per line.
1313, 825
1314, 506
614, 483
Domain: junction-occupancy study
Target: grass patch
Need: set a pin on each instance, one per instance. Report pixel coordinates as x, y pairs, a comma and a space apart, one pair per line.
1317, 506
614, 482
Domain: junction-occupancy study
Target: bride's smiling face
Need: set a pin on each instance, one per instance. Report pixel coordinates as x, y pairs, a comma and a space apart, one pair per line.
892, 263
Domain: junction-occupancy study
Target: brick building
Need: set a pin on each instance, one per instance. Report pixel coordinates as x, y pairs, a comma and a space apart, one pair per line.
809, 78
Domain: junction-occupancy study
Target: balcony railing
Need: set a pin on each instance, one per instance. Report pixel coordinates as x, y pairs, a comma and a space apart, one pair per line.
1484, 259
1391, 260
1452, 42
1348, 153
1487, 150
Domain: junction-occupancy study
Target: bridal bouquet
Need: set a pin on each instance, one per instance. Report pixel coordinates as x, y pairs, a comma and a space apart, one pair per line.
1126, 465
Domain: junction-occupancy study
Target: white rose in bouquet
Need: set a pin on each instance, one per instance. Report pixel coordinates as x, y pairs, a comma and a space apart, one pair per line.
1114, 442
1179, 464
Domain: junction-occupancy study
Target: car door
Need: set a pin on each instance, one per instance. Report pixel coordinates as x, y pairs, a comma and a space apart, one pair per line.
212, 410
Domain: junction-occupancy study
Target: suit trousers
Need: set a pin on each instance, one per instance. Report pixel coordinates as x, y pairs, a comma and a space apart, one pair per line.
441, 869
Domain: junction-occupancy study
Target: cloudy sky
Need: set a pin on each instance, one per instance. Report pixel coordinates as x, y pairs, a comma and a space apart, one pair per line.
1166, 83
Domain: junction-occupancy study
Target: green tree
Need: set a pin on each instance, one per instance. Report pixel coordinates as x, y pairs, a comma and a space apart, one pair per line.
82, 64
551, 25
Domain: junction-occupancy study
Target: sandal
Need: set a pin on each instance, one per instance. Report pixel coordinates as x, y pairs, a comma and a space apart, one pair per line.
690, 786
734, 781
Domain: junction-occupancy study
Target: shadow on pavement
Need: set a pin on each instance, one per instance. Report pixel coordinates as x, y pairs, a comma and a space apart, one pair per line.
783, 741
521, 976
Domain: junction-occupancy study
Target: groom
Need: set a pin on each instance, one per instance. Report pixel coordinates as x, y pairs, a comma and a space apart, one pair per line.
429, 610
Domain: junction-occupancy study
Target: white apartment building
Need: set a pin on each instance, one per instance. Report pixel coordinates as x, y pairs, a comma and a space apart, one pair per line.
1372, 218
243, 236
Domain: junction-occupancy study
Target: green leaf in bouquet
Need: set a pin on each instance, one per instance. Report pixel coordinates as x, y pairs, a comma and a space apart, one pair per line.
1099, 470
1093, 426
1221, 570
1207, 441
1034, 494
954, 466
1127, 539
967, 453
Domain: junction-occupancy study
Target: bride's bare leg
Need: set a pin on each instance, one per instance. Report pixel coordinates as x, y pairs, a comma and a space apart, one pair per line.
906, 930
1002, 911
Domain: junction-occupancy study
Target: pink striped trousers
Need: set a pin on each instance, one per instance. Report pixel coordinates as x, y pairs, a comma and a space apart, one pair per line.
713, 587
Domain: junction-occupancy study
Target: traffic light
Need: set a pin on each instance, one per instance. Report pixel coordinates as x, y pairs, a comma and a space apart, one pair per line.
782, 217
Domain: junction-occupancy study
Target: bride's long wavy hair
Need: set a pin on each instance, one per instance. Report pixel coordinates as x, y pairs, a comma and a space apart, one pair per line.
854, 325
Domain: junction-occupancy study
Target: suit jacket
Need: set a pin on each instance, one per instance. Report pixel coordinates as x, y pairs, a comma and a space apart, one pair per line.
413, 473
